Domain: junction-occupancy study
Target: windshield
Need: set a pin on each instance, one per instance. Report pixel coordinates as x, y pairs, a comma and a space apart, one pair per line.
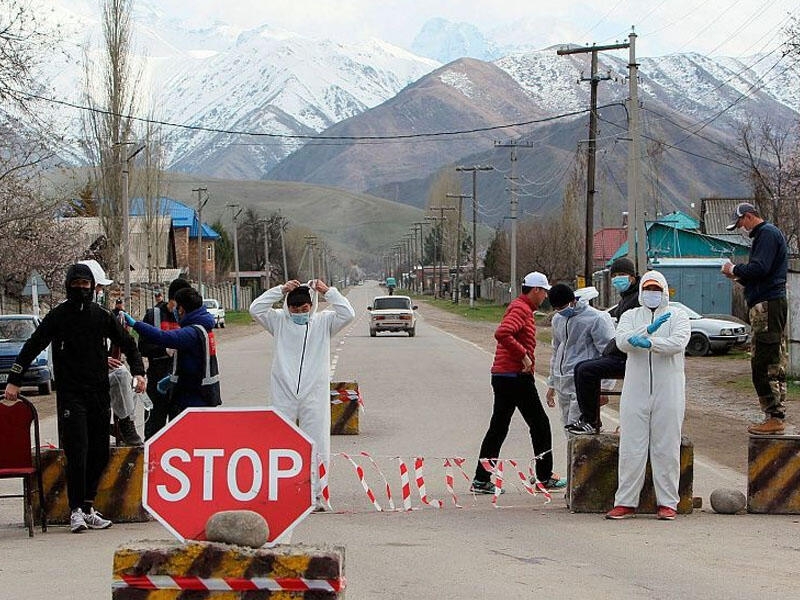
389, 303
689, 312
16, 330
210, 303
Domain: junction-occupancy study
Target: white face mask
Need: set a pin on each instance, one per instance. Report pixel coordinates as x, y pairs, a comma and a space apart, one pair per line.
651, 298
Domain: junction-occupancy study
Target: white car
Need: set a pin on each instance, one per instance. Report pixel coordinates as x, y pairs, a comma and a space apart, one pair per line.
217, 311
392, 313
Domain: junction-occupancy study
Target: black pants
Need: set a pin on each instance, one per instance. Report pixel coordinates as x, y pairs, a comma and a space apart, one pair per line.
163, 410
511, 393
588, 375
84, 420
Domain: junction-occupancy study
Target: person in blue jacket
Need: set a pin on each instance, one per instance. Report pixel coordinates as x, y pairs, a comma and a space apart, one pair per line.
195, 374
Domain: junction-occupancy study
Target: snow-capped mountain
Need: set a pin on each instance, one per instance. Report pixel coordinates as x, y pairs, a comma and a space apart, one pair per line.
446, 41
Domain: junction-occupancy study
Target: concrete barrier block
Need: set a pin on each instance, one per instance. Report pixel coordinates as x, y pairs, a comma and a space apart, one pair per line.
119, 495
165, 570
345, 401
592, 468
773, 474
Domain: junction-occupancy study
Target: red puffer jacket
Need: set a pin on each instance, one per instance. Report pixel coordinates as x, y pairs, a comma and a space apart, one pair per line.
516, 336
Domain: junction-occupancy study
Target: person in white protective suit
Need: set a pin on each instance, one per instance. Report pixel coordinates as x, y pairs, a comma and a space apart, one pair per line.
300, 378
653, 399
580, 332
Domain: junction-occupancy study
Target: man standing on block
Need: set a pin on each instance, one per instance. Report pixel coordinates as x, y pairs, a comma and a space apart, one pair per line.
764, 281
515, 388
653, 399
300, 380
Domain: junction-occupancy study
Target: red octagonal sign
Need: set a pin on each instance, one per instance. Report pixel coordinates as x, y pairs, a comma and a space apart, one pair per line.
209, 460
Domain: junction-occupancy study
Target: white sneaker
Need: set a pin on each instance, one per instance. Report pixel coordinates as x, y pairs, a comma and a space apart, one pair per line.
94, 520
77, 521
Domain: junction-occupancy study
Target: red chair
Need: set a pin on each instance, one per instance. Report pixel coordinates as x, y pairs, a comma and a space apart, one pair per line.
16, 459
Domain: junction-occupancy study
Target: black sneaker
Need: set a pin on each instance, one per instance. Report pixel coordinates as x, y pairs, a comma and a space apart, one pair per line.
581, 427
483, 487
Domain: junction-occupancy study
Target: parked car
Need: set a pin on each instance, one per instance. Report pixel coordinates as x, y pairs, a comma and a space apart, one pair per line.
711, 334
14, 332
217, 311
392, 313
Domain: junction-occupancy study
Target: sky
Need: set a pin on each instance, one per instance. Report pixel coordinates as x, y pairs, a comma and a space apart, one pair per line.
714, 27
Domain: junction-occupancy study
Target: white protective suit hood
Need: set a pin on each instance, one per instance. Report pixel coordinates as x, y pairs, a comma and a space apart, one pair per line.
662, 281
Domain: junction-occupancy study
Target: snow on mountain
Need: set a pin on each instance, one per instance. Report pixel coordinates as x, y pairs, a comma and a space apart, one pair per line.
446, 41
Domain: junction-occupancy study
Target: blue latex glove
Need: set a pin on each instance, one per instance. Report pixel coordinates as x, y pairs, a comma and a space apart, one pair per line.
658, 322
163, 385
129, 319
639, 341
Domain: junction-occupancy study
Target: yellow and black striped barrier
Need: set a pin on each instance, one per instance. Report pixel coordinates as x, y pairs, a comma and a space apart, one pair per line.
200, 570
119, 494
345, 402
592, 469
773, 474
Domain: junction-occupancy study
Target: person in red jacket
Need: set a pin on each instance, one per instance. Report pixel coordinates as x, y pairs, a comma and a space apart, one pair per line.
514, 387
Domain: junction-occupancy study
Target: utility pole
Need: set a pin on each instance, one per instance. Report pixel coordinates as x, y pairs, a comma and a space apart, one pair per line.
126, 215
265, 222
200, 204
442, 219
283, 248
594, 79
474, 169
432, 220
637, 234
460, 197
311, 242
234, 217
513, 144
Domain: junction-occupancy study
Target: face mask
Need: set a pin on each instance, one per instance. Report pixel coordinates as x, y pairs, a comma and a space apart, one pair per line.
100, 296
300, 318
621, 283
80, 296
567, 312
651, 299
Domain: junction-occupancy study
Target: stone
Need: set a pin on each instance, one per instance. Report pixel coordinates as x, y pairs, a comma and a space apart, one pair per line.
241, 527
728, 501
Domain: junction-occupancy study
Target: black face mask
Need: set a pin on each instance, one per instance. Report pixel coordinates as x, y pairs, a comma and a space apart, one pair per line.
81, 297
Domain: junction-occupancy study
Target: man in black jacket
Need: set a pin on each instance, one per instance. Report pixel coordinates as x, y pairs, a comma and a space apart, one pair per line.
159, 359
764, 281
78, 330
589, 373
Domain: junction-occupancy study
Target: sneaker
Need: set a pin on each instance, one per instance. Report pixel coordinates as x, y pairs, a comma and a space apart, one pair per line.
555, 482
665, 513
77, 522
128, 434
483, 487
94, 520
770, 426
581, 427
621, 512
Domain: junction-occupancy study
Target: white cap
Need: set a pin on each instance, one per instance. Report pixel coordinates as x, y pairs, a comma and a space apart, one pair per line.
536, 279
97, 272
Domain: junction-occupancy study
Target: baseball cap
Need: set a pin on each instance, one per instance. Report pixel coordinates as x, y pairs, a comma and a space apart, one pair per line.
98, 273
536, 279
652, 281
741, 210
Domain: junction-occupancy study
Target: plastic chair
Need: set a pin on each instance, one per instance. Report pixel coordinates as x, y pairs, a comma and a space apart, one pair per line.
16, 459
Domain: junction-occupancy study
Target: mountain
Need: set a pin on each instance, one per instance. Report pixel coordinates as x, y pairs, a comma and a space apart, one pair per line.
446, 41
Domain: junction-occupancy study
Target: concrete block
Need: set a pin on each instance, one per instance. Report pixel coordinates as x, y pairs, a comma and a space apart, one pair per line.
773, 474
592, 468
165, 570
119, 495
345, 401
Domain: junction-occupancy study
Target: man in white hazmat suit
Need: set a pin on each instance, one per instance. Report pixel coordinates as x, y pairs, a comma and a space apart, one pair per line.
580, 332
300, 378
653, 399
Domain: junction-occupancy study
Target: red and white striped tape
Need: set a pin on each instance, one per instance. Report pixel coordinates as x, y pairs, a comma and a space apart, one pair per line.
448, 481
405, 485
419, 465
342, 396
227, 584
363, 480
386, 483
323, 484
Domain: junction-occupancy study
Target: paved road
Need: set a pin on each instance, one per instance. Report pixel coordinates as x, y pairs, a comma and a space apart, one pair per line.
429, 396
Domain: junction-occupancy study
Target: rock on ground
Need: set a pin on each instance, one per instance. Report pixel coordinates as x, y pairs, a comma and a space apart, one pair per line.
240, 527
728, 501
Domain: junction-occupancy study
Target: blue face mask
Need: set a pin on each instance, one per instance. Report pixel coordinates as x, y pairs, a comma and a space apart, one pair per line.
621, 283
567, 312
300, 318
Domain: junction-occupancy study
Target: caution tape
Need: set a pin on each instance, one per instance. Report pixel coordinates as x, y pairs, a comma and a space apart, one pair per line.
227, 584
340, 396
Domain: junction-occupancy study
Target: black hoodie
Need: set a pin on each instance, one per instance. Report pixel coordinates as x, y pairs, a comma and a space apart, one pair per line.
78, 330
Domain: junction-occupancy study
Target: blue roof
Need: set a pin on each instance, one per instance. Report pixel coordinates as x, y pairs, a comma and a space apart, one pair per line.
182, 215
679, 220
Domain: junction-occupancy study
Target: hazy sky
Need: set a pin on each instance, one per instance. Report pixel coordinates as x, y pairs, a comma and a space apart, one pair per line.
718, 27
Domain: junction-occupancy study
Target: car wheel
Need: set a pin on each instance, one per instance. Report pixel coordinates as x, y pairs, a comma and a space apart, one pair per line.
698, 345
722, 350
44, 389
412, 332
372, 333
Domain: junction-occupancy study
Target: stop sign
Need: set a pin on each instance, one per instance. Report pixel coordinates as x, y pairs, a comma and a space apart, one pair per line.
210, 459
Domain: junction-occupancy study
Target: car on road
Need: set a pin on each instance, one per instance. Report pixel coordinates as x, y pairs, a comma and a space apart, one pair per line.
711, 334
217, 311
14, 332
392, 313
